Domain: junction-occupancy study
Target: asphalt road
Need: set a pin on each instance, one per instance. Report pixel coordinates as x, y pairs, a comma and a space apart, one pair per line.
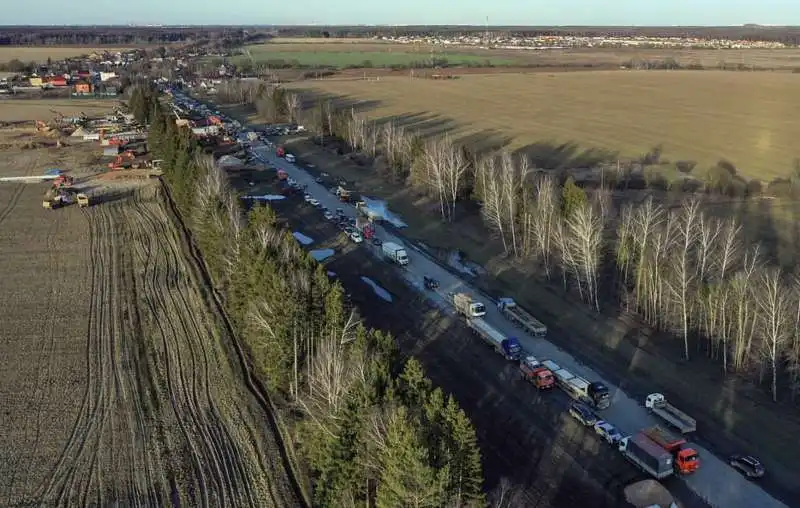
715, 482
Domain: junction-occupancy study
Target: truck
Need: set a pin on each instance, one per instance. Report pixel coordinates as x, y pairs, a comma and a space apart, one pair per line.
647, 456
657, 404
465, 305
280, 151
596, 394
367, 229
507, 346
516, 314
395, 253
540, 376
684, 458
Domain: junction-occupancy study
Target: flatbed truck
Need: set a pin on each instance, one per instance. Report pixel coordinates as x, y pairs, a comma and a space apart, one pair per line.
596, 394
657, 404
533, 371
465, 305
516, 314
509, 347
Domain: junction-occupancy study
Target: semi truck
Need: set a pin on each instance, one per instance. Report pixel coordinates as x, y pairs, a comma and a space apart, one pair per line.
465, 305
540, 376
684, 458
647, 456
507, 346
395, 253
516, 314
657, 404
596, 394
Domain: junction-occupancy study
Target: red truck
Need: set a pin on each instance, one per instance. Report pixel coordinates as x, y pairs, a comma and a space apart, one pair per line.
280, 151
685, 458
532, 370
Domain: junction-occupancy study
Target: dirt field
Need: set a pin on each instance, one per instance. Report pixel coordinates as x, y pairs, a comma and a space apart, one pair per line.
42, 53
745, 118
119, 382
42, 109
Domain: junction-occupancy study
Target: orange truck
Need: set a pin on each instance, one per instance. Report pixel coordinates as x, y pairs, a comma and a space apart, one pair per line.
685, 458
540, 376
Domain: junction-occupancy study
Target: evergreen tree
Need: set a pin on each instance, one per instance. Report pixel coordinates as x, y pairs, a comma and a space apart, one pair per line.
413, 385
466, 472
572, 198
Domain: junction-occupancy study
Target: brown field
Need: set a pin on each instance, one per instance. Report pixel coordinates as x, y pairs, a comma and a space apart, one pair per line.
42, 109
42, 53
748, 119
119, 384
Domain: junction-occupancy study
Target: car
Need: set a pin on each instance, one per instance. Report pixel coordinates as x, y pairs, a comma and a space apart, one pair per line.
377, 242
748, 465
583, 414
307, 197
607, 432
430, 282
356, 236
314, 202
340, 212
328, 215
318, 180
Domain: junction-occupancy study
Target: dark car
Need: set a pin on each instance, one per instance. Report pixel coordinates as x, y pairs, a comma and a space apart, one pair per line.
583, 414
747, 465
430, 282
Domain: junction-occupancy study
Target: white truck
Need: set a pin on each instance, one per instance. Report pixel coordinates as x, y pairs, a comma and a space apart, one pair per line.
509, 347
658, 405
395, 253
465, 305
516, 314
595, 393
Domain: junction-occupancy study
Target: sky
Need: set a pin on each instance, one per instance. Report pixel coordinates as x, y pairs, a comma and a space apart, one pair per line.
391, 12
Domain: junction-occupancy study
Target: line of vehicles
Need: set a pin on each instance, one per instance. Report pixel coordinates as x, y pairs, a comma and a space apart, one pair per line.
655, 450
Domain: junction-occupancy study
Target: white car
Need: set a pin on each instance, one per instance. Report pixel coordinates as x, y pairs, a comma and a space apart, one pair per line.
307, 197
356, 236
329, 215
607, 432
313, 202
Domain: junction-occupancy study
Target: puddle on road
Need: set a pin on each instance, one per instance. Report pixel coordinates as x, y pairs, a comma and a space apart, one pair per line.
382, 293
303, 239
266, 197
322, 254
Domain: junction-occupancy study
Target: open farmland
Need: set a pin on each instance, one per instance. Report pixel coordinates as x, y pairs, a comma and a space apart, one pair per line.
748, 119
120, 385
42, 109
42, 53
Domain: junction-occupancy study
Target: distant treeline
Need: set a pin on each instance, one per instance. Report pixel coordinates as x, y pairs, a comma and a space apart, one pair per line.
118, 35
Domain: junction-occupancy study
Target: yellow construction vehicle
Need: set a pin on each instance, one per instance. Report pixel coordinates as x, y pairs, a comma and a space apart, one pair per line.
83, 200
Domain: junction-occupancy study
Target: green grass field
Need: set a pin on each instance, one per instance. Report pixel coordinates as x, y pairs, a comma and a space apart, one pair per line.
372, 55
749, 119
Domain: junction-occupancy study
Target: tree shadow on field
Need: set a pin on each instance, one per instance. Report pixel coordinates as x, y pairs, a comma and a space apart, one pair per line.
311, 98
553, 155
485, 142
424, 124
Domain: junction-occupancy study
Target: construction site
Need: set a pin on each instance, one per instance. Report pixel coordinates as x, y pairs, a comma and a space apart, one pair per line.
121, 383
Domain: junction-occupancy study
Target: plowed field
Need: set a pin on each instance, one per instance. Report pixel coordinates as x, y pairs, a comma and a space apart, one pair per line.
118, 383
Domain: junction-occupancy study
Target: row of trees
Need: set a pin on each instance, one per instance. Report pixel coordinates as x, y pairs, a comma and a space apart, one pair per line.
682, 270
374, 430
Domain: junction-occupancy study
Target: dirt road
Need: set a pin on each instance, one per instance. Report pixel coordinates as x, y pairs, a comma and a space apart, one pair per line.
128, 392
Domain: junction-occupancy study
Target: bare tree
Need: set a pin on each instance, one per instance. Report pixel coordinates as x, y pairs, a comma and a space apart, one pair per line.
492, 209
445, 167
585, 241
513, 176
683, 272
745, 309
506, 495
544, 219
457, 167
647, 219
292, 106
774, 302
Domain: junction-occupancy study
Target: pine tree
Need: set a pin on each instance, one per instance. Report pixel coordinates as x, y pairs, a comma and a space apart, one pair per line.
466, 472
572, 198
407, 479
413, 385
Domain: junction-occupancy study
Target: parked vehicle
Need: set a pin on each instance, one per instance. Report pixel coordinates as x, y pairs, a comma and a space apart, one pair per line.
595, 393
608, 432
507, 346
366, 227
583, 414
509, 308
328, 215
658, 405
290, 158
647, 456
532, 370
280, 151
748, 465
465, 305
395, 253
356, 237
313, 202
430, 283
684, 458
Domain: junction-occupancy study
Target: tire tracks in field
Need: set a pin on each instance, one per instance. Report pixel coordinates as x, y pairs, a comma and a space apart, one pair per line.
12, 203
217, 457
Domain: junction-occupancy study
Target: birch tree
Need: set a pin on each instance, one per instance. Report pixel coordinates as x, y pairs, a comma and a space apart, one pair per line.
683, 272
745, 309
773, 300
585, 241
292, 106
544, 219
492, 209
